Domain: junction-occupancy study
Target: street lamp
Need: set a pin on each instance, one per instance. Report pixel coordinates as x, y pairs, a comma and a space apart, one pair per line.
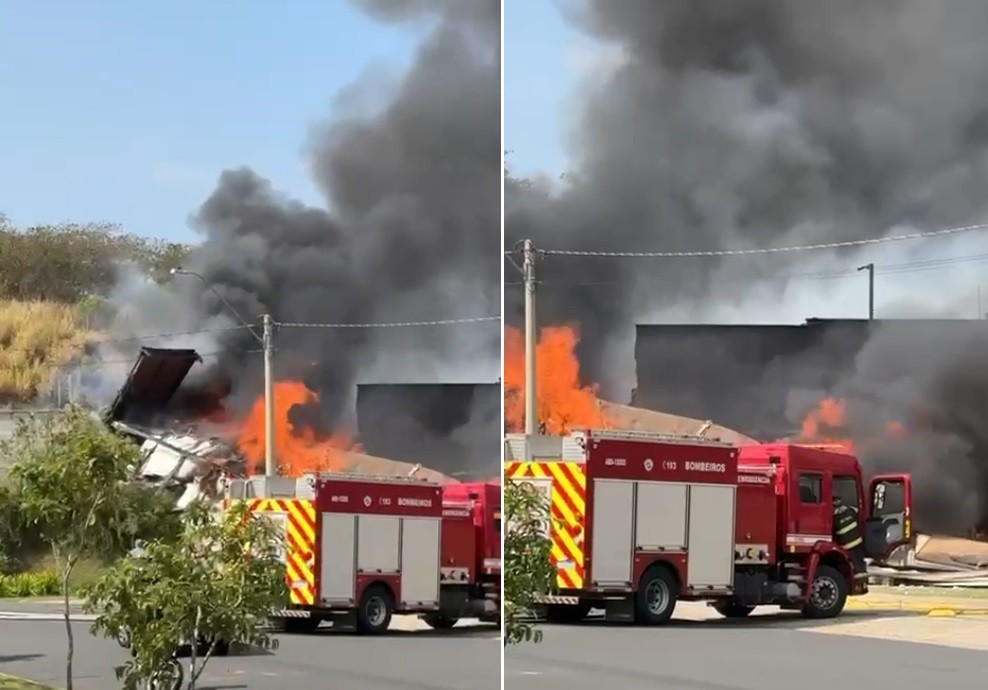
270, 467
871, 289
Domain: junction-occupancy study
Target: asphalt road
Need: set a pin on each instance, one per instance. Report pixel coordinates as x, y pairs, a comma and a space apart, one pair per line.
462, 659
774, 652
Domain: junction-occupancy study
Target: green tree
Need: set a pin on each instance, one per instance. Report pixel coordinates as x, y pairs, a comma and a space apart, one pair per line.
217, 583
527, 568
68, 477
64, 263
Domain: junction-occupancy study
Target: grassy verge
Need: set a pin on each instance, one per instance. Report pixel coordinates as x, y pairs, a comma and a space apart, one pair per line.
86, 572
35, 338
42, 580
15, 683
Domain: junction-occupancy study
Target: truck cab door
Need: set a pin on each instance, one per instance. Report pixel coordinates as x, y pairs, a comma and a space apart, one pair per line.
889, 524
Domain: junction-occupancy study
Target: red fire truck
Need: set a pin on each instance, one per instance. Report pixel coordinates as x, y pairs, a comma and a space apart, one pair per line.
641, 520
470, 575
360, 548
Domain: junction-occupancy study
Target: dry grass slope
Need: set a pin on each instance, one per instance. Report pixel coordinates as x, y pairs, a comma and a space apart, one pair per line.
35, 338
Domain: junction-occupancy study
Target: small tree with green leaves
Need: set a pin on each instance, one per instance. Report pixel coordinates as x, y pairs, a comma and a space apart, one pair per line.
68, 479
527, 568
216, 584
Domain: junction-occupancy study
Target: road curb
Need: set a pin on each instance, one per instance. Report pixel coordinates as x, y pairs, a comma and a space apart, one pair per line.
23, 683
407, 623
935, 610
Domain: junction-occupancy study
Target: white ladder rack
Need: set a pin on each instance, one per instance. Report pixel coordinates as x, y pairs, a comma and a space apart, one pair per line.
652, 436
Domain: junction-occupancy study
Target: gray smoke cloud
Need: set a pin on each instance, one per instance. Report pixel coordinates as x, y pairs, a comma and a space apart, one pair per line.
410, 231
752, 123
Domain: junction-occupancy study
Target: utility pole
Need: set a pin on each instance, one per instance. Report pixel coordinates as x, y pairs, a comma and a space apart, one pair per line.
531, 340
270, 466
871, 289
265, 339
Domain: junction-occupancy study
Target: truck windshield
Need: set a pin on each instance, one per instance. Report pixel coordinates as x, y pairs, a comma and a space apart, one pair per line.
846, 489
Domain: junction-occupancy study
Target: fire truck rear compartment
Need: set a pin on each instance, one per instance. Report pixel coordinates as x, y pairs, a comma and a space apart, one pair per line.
638, 522
360, 548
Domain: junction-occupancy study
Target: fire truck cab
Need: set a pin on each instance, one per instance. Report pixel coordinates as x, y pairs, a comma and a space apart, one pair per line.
470, 572
641, 520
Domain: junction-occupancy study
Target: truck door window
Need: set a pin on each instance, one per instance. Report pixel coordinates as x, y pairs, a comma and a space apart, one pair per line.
846, 489
810, 488
890, 499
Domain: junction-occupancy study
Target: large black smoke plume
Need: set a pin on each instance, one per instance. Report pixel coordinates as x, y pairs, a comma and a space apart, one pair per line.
752, 123
409, 232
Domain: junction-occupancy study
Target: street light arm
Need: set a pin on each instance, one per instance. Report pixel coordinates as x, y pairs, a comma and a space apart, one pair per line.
236, 314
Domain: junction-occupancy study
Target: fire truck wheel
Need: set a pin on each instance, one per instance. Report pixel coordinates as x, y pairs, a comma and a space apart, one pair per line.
655, 599
828, 593
731, 609
374, 612
437, 621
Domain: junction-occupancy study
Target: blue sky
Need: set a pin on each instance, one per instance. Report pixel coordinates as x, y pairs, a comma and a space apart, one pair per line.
127, 111
542, 60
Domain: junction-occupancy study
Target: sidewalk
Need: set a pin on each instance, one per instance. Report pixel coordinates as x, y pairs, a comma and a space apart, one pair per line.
928, 600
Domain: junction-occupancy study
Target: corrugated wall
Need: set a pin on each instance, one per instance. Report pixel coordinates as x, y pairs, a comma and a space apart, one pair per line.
451, 428
741, 376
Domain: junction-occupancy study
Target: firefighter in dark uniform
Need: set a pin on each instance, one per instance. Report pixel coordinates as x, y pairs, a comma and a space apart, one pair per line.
847, 533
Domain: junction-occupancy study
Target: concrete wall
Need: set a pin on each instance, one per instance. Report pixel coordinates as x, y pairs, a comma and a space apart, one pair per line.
8, 423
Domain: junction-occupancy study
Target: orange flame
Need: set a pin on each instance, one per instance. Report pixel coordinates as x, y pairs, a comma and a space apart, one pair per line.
298, 450
564, 403
824, 425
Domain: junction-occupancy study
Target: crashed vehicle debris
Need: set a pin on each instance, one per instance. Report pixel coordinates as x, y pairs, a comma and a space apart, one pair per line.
185, 463
195, 458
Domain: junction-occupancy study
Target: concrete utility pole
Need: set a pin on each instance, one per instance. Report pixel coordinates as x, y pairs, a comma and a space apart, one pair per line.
531, 340
871, 289
270, 465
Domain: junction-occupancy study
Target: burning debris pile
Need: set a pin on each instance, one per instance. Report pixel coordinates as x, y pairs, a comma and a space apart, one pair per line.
743, 124
193, 457
188, 463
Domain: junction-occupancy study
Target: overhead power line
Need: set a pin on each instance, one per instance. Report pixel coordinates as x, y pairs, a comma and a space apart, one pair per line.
762, 250
391, 324
905, 267
201, 331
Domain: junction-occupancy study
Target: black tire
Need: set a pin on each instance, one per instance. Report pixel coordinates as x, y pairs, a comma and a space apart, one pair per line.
566, 614
656, 597
438, 621
123, 638
375, 610
300, 626
827, 595
170, 678
732, 609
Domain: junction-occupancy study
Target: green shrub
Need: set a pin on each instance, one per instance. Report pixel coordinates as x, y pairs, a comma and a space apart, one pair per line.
41, 584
